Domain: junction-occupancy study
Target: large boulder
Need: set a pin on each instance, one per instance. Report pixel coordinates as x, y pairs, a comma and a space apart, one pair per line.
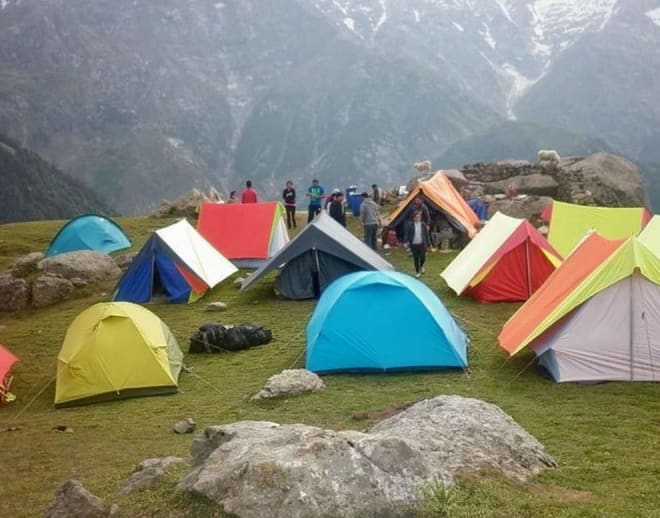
535, 183
14, 293
188, 204
72, 500
266, 469
526, 207
611, 180
148, 473
84, 265
49, 289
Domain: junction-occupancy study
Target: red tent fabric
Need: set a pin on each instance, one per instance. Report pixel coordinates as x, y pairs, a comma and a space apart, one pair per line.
7, 361
238, 230
522, 252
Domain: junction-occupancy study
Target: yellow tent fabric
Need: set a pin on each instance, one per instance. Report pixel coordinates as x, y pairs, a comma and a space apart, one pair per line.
116, 350
569, 223
650, 236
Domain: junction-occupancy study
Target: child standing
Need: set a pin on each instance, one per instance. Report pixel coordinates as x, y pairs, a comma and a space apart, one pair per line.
289, 197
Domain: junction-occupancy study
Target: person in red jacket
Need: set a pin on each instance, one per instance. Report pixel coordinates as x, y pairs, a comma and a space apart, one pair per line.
249, 195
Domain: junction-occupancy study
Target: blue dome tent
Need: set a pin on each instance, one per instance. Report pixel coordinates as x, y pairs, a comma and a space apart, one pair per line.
89, 232
382, 321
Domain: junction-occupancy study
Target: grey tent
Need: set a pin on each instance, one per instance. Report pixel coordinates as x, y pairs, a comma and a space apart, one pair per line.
321, 253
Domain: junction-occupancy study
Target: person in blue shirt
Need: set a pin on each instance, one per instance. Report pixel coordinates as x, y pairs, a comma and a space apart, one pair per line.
316, 194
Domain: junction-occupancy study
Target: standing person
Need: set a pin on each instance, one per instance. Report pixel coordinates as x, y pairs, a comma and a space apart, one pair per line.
289, 197
378, 194
315, 193
370, 219
418, 238
249, 195
418, 205
336, 208
233, 197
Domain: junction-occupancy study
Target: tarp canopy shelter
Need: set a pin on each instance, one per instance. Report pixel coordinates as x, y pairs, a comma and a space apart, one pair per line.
116, 350
508, 260
246, 234
322, 252
7, 361
89, 232
597, 317
353, 327
175, 263
569, 223
440, 196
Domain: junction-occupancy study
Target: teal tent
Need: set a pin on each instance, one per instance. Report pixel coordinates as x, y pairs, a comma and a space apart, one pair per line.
382, 321
89, 232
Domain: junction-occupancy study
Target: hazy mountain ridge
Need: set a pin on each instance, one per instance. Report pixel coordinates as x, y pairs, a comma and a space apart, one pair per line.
143, 100
34, 190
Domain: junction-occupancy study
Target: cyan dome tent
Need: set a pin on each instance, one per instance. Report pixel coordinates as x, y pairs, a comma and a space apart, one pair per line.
382, 321
89, 232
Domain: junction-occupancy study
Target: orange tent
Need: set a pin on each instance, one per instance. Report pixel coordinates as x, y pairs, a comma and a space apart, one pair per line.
440, 193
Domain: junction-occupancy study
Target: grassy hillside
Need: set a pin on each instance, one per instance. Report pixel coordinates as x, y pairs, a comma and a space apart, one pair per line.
604, 437
34, 189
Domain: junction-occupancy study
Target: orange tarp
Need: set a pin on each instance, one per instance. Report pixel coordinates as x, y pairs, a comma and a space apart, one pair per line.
582, 262
440, 191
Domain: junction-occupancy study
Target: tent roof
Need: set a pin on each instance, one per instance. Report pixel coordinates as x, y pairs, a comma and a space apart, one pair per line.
569, 223
595, 264
89, 232
197, 254
324, 234
501, 234
650, 236
240, 230
440, 191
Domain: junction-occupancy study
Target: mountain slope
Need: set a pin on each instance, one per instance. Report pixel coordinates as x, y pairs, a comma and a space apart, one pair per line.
33, 189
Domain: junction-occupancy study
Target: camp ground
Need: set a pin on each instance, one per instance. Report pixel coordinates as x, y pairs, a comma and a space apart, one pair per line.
116, 350
597, 318
442, 197
351, 328
175, 264
568, 223
322, 252
89, 232
508, 260
246, 234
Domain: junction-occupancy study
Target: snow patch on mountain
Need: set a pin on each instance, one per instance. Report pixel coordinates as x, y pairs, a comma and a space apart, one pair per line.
417, 18
654, 15
519, 84
458, 26
4, 3
350, 23
488, 37
383, 15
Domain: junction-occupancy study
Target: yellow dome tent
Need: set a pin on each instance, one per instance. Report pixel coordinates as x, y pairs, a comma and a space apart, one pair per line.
116, 350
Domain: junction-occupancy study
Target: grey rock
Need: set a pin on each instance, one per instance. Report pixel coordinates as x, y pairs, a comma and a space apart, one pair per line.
14, 293
125, 260
188, 204
186, 425
216, 306
148, 473
72, 500
528, 208
238, 282
456, 177
49, 289
257, 468
92, 267
114, 510
535, 183
26, 264
290, 382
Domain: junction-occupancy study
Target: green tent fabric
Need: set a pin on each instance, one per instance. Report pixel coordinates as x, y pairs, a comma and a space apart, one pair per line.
569, 223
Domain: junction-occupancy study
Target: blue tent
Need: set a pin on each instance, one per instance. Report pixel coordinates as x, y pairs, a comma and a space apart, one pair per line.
382, 321
175, 263
89, 232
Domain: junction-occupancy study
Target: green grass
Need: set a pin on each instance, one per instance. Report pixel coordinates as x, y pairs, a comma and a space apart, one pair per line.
604, 437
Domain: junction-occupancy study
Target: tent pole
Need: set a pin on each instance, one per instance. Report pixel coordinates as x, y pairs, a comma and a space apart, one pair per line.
630, 333
529, 273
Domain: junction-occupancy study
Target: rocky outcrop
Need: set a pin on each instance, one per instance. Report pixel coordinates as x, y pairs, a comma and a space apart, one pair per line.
49, 289
86, 265
187, 205
257, 468
290, 382
26, 264
148, 473
521, 189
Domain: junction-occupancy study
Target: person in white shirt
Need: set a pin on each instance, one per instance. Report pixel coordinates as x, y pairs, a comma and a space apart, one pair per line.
418, 238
